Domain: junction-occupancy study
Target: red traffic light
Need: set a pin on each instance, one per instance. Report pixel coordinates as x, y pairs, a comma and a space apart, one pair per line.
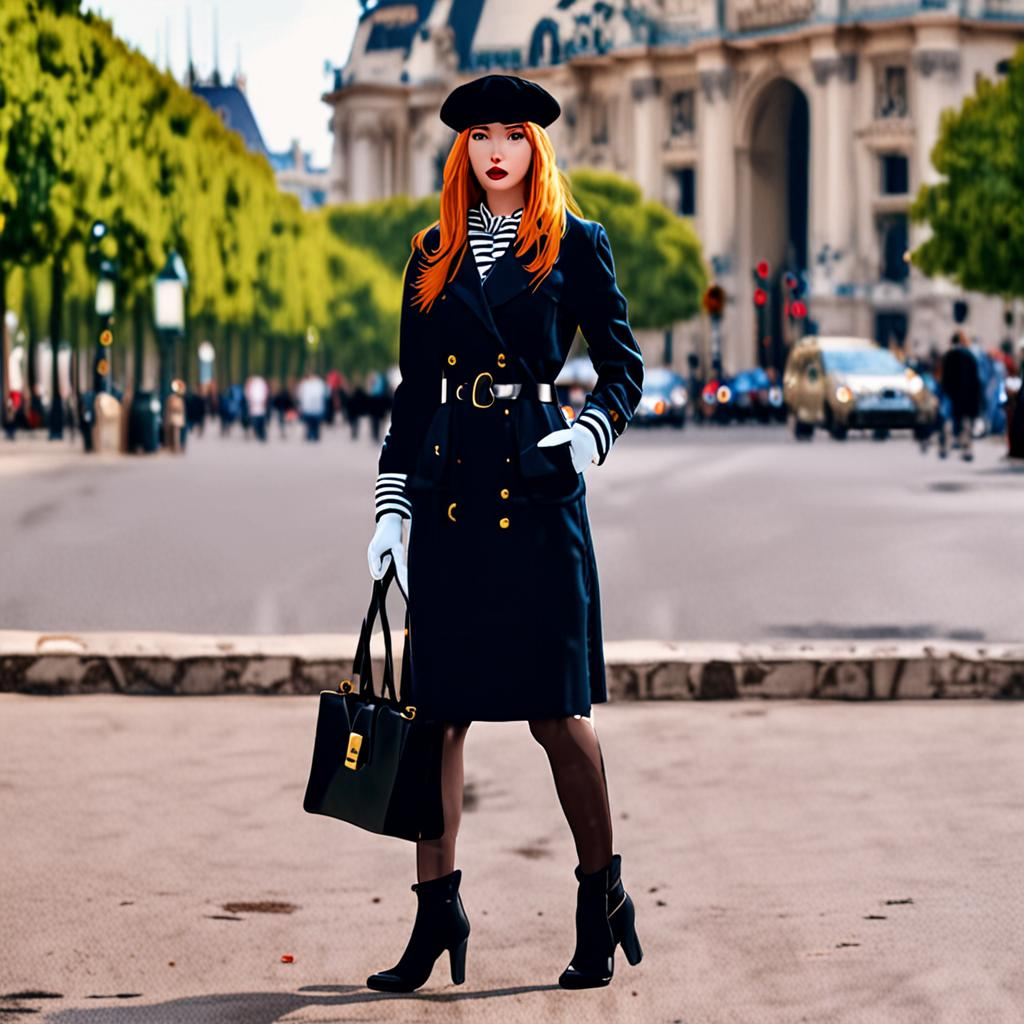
798, 309
763, 270
790, 280
760, 296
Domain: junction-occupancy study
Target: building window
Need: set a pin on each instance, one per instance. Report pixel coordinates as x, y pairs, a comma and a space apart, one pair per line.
892, 242
681, 113
895, 174
891, 91
686, 181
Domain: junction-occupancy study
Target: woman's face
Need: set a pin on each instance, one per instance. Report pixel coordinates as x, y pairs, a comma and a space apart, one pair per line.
496, 148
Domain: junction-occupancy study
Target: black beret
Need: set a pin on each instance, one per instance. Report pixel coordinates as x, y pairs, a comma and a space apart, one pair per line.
504, 98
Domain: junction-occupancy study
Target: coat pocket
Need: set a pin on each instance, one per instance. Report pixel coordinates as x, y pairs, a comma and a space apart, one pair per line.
433, 462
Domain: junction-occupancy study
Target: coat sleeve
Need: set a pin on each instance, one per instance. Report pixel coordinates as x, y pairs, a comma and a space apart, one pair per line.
614, 350
415, 400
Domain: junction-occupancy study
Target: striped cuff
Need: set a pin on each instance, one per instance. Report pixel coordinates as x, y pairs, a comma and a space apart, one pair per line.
595, 420
389, 495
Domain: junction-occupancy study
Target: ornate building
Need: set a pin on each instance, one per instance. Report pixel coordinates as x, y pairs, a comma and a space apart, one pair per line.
791, 131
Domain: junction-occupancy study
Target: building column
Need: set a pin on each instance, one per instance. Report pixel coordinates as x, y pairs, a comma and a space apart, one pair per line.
717, 203
646, 120
835, 190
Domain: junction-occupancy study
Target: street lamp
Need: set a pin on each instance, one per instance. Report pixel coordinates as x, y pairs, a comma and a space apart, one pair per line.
106, 296
169, 315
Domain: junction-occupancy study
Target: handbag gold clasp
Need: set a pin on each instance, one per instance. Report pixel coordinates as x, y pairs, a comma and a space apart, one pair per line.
345, 686
485, 373
355, 741
412, 712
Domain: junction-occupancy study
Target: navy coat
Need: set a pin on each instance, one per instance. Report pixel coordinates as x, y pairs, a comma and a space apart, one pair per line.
504, 602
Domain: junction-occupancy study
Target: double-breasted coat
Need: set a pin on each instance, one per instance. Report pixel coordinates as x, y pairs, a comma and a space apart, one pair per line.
504, 602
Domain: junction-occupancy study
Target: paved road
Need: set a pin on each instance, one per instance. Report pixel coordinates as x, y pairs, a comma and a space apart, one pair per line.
827, 863
734, 533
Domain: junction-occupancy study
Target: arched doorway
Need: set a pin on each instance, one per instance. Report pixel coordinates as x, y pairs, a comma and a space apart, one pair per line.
779, 155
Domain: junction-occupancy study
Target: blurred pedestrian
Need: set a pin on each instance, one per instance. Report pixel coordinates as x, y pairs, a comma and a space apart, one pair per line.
256, 394
230, 407
961, 382
312, 399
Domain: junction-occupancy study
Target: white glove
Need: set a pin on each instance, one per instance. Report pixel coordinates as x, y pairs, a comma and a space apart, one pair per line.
387, 542
582, 445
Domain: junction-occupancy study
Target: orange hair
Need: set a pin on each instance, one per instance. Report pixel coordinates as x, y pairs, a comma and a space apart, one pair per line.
547, 195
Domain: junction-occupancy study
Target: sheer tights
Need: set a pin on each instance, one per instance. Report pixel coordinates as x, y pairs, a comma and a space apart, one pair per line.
577, 765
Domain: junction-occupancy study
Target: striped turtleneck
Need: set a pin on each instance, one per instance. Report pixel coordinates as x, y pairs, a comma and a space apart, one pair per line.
490, 234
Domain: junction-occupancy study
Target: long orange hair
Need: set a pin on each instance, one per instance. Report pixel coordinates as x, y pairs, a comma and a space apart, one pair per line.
548, 194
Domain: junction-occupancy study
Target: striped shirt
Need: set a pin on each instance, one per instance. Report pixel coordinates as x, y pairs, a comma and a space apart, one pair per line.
490, 234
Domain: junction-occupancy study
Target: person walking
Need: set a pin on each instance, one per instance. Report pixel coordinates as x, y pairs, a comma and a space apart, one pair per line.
961, 383
312, 398
257, 392
479, 459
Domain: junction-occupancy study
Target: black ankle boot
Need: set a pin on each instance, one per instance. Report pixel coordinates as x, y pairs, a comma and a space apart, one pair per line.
604, 919
441, 924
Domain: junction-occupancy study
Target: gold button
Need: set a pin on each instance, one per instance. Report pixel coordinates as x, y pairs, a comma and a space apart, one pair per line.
459, 461
615, 416
451, 508
503, 522
508, 458
437, 449
504, 492
501, 358
451, 360
507, 412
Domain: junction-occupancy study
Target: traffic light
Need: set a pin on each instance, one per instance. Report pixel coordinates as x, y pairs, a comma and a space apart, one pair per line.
714, 300
762, 270
760, 297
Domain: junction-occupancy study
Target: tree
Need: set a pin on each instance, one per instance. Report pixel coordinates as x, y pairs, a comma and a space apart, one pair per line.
658, 261
976, 213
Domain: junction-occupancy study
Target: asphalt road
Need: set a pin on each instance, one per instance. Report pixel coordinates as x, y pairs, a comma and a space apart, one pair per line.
712, 533
791, 863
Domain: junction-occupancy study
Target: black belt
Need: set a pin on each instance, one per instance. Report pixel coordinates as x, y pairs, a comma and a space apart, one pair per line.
505, 391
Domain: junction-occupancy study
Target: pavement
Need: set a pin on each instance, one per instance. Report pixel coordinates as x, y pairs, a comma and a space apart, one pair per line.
790, 861
732, 534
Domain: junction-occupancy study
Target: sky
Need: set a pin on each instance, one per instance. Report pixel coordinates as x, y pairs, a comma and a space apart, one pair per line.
283, 48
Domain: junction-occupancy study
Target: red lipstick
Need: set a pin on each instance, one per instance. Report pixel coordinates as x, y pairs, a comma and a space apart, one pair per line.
496, 172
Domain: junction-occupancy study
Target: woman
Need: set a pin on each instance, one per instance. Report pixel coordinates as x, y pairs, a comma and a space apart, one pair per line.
501, 581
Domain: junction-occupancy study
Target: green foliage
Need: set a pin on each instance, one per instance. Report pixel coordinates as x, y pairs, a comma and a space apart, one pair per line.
976, 213
658, 260
385, 226
91, 130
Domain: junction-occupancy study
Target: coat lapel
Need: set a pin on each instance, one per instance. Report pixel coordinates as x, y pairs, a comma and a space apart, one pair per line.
508, 277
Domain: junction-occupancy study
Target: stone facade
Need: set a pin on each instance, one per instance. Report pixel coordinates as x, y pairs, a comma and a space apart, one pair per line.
793, 131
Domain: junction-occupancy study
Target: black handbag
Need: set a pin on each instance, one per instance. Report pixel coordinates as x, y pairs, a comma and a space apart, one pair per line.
376, 764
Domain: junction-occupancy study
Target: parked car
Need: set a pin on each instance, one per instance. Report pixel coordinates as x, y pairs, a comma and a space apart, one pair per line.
664, 399
716, 400
755, 395
844, 383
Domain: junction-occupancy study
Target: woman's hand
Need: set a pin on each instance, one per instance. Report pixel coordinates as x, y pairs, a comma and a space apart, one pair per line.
385, 544
582, 446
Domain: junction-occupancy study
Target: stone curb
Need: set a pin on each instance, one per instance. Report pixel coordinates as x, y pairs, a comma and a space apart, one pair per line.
173, 663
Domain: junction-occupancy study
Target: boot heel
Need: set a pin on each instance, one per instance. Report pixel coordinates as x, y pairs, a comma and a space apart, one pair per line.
625, 933
631, 947
457, 956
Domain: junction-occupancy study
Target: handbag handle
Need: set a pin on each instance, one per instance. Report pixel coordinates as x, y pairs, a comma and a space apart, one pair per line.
362, 663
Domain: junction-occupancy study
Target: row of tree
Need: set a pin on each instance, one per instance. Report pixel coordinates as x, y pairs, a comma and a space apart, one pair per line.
91, 130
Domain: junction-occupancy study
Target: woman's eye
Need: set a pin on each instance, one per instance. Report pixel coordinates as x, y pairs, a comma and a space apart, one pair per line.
521, 135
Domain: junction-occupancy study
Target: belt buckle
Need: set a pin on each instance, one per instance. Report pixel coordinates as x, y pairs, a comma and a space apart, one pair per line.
485, 373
